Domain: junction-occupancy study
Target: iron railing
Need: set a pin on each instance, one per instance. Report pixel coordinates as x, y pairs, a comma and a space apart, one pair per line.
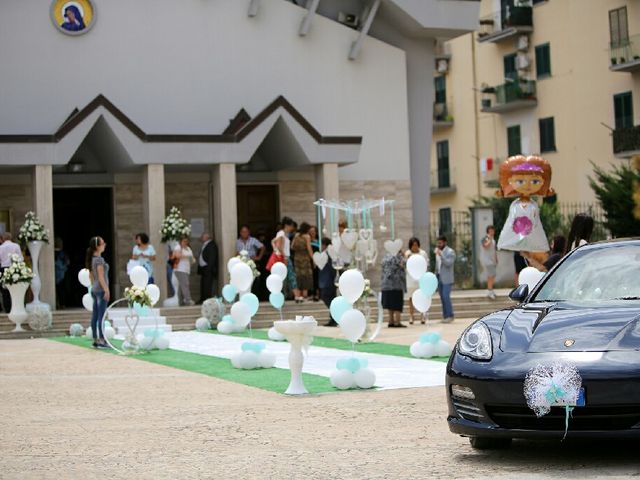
624, 51
626, 139
442, 112
501, 20
441, 178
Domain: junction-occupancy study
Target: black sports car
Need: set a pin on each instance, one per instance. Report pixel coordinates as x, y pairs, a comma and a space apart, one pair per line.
586, 312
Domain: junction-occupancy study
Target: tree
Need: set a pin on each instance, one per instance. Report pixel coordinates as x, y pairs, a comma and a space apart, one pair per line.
614, 190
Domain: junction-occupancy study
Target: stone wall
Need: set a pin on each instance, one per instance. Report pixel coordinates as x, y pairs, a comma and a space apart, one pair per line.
129, 220
19, 199
296, 200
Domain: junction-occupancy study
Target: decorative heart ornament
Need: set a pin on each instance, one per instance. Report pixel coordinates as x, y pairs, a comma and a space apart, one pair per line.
365, 233
393, 246
349, 238
335, 241
135, 317
320, 259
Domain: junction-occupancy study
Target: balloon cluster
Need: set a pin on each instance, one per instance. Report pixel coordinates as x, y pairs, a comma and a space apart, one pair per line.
352, 372
107, 329
252, 356
352, 322
531, 276
428, 282
430, 345
241, 279
76, 330
274, 285
153, 339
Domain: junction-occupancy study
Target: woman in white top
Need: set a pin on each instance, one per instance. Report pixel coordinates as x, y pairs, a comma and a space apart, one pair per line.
581, 230
413, 285
282, 246
183, 259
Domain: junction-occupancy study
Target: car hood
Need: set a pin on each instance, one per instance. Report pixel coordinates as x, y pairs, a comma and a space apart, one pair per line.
563, 327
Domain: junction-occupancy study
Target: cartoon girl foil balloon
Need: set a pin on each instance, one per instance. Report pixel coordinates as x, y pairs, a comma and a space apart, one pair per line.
524, 177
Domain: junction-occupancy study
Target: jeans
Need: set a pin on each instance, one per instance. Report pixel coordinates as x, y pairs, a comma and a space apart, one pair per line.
99, 307
444, 290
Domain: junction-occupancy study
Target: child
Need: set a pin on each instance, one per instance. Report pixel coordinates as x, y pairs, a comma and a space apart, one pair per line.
326, 278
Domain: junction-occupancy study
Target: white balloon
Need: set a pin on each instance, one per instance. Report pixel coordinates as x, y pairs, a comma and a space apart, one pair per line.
154, 293
139, 276
353, 324
202, 324
248, 360
225, 327
241, 314
279, 269
275, 335
241, 276
531, 276
146, 343
415, 349
342, 379
364, 378
162, 343
274, 283
89, 333
416, 266
420, 301
428, 350
443, 349
235, 359
238, 328
266, 359
351, 285
87, 302
233, 261
84, 278
109, 332
76, 330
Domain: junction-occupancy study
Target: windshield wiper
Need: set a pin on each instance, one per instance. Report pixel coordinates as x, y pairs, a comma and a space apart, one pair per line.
627, 298
546, 301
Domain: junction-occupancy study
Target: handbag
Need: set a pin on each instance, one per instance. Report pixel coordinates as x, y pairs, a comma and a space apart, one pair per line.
275, 258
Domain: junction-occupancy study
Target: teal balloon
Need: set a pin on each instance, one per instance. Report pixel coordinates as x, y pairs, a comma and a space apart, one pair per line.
276, 299
342, 364
339, 306
140, 310
428, 284
251, 301
229, 292
153, 332
253, 346
353, 364
364, 363
432, 337
227, 318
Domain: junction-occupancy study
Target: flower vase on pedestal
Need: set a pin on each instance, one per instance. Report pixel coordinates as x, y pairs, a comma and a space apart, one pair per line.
172, 301
34, 249
18, 314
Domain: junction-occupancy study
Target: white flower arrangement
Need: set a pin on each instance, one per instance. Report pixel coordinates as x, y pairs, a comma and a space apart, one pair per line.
18, 272
32, 230
174, 226
137, 295
366, 293
244, 257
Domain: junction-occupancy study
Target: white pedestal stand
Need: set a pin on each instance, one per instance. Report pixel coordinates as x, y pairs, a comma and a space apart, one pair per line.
34, 249
295, 333
18, 314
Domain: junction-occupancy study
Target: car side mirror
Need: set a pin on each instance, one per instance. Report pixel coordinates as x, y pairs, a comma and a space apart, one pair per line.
519, 293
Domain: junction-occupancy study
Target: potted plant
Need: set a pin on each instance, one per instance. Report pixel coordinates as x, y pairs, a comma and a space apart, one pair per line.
33, 234
16, 279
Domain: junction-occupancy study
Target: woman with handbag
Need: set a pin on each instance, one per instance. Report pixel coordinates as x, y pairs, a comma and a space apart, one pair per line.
282, 245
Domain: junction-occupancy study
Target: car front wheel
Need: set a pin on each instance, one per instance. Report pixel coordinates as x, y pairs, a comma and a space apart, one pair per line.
489, 443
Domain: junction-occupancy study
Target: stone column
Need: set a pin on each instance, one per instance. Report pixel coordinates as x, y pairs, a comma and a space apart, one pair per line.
327, 181
153, 208
225, 215
42, 186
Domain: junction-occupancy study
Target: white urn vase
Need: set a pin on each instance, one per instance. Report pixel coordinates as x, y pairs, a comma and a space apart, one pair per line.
35, 247
172, 301
18, 314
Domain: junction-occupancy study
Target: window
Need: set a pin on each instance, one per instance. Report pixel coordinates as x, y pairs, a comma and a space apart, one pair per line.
442, 150
514, 144
441, 89
535, 2
445, 221
547, 135
618, 27
510, 70
543, 61
623, 110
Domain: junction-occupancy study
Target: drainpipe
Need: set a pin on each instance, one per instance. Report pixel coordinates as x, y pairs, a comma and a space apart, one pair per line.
475, 114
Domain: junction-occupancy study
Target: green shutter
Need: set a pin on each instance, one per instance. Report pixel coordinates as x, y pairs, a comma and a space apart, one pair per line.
514, 144
510, 70
623, 110
543, 60
547, 135
444, 179
441, 89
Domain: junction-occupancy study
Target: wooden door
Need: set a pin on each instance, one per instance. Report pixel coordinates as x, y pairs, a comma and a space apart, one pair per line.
258, 208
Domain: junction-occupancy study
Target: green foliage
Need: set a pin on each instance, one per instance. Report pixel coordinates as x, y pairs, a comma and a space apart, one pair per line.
500, 208
552, 220
614, 190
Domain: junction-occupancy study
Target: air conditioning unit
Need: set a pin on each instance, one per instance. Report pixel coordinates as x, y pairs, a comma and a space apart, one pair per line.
349, 19
523, 43
522, 61
442, 65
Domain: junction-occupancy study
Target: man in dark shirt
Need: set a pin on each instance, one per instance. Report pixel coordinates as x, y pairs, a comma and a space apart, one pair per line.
326, 279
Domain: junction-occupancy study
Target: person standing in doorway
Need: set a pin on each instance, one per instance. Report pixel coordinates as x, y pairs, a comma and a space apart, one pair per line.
144, 253
99, 288
208, 268
489, 259
184, 257
282, 248
413, 285
245, 242
326, 282
61, 266
7, 249
445, 260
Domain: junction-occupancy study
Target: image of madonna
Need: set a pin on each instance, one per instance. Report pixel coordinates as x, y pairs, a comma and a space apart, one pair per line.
73, 19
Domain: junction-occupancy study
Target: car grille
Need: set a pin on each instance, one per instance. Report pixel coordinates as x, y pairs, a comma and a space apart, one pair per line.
467, 410
610, 417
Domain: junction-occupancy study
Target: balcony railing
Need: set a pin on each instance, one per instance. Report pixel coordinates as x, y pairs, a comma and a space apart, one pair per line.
442, 181
625, 55
442, 115
491, 172
505, 24
509, 96
626, 142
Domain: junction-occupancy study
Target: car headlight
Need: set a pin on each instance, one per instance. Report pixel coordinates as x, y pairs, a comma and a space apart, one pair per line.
476, 342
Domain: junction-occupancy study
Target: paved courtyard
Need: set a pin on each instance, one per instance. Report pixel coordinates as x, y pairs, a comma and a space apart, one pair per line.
71, 412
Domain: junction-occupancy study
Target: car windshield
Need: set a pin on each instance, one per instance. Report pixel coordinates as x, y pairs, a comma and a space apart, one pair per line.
595, 274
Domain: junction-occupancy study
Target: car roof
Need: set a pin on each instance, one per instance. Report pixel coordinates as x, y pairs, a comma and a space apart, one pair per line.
635, 241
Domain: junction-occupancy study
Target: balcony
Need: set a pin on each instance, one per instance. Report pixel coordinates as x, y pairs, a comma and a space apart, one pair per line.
491, 171
497, 27
513, 95
625, 56
626, 142
442, 117
441, 182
